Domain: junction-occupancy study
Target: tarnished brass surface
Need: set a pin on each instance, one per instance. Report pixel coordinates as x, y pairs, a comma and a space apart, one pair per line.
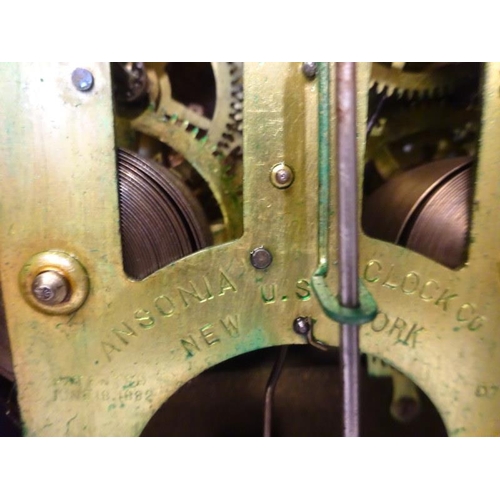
108, 367
440, 326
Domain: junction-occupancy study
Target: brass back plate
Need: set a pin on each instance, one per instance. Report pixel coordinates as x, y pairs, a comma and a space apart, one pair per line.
106, 369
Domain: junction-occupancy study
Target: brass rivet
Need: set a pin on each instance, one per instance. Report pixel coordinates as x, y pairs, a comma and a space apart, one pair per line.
282, 176
261, 258
310, 70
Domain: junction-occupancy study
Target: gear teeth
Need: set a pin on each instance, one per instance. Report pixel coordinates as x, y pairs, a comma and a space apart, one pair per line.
230, 139
380, 88
390, 91
396, 81
408, 94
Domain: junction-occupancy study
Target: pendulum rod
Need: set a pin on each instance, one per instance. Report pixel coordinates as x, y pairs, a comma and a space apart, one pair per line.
348, 256
353, 305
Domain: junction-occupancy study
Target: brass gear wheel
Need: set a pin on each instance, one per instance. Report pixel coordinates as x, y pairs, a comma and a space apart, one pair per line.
223, 177
231, 142
412, 79
223, 131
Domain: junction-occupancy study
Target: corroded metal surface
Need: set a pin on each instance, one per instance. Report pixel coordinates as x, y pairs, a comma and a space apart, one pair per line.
107, 368
439, 326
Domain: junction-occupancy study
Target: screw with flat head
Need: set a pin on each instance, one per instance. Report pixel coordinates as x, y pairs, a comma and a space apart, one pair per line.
301, 325
261, 258
309, 69
82, 79
50, 288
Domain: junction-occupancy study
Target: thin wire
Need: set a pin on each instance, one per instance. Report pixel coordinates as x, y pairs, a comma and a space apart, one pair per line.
373, 119
270, 389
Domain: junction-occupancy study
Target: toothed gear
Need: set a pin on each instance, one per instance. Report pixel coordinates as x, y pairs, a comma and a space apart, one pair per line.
412, 79
231, 141
224, 130
223, 177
